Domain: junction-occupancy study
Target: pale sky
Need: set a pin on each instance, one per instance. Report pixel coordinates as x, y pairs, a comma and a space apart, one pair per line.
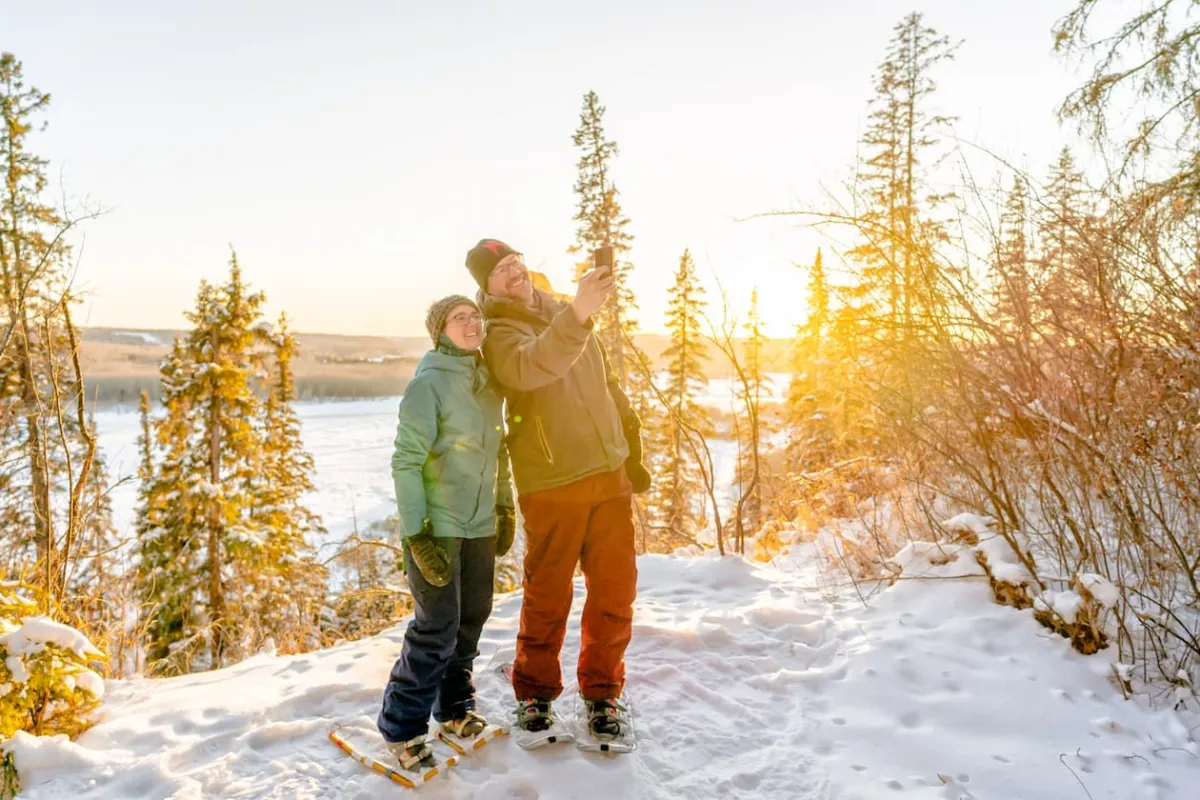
353, 151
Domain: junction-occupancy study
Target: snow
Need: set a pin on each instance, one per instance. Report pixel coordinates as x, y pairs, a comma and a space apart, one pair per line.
90, 681
37, 632
748, 681
31, 637
1101, 588
16, 666
1002, 561
141, 336
974, 523
1010, 573
1064, 604
936, 560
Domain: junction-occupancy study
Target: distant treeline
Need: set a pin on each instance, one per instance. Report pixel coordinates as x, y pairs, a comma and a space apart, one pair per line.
118, 391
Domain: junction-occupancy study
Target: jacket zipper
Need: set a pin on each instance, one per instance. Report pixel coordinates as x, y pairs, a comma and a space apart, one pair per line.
545, 443
481, 401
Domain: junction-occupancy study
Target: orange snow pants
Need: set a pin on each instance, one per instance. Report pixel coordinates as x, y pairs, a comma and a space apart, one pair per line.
588, 522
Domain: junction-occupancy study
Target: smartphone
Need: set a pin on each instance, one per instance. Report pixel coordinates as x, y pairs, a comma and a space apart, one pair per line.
602, 258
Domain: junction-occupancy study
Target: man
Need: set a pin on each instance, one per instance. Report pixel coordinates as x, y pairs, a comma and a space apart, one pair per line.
570, 436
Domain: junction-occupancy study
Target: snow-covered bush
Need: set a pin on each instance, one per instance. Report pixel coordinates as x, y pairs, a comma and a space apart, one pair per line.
1081, 613
1004, 561
773, 538
46, 686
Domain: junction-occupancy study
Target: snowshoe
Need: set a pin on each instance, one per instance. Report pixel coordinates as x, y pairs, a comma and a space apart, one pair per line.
415, 755
469, 733
607, 728
538, 725
470, 726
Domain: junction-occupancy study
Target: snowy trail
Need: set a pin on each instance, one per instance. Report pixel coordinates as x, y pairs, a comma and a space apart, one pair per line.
747, 683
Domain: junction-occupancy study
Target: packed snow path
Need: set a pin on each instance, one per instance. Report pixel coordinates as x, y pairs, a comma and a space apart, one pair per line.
748, 682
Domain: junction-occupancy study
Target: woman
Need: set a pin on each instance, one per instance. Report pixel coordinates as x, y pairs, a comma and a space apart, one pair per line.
456, 515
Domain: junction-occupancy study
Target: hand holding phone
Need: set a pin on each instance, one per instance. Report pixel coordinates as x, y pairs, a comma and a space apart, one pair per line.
595, 286
602, 259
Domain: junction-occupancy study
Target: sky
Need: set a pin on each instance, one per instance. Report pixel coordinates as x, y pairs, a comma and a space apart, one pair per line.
353, 152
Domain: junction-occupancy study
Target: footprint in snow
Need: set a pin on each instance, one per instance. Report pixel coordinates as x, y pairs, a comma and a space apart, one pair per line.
747, 781
301, 667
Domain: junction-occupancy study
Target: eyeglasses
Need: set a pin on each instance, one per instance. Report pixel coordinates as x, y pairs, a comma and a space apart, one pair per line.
509, 264
465, 318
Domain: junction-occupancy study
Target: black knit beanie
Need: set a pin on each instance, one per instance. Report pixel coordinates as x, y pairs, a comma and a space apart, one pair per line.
483, 258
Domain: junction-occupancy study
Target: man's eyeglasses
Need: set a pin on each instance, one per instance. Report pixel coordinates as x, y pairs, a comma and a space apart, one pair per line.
509, 265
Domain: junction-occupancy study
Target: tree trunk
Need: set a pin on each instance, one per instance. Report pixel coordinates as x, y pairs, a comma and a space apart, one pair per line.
216, 594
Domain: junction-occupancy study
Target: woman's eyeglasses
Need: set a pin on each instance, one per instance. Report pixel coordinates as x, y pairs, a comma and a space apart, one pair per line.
466, 318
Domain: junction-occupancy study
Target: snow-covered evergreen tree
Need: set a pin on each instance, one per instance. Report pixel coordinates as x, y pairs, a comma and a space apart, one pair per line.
289, 584
225, 567
676, 485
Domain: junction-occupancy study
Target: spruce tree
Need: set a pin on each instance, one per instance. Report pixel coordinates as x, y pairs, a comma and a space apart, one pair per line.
225, 564
600, 221
168, 516
291, 585
901, 283
676, 474
223, 347
1062, 222
1013, 304
809, 398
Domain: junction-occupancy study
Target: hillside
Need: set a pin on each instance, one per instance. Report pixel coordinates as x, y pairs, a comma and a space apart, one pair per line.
120, 363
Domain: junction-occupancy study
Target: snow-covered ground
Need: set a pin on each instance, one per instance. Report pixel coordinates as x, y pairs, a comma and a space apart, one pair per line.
141, 336
748, 682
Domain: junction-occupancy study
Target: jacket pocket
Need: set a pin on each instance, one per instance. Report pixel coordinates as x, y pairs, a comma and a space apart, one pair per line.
543, 440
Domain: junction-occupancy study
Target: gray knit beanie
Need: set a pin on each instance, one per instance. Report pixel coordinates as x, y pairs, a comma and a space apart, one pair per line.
435, 320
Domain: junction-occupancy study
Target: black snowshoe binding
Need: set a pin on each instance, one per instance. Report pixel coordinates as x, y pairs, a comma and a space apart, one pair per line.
533, 715
606, 718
